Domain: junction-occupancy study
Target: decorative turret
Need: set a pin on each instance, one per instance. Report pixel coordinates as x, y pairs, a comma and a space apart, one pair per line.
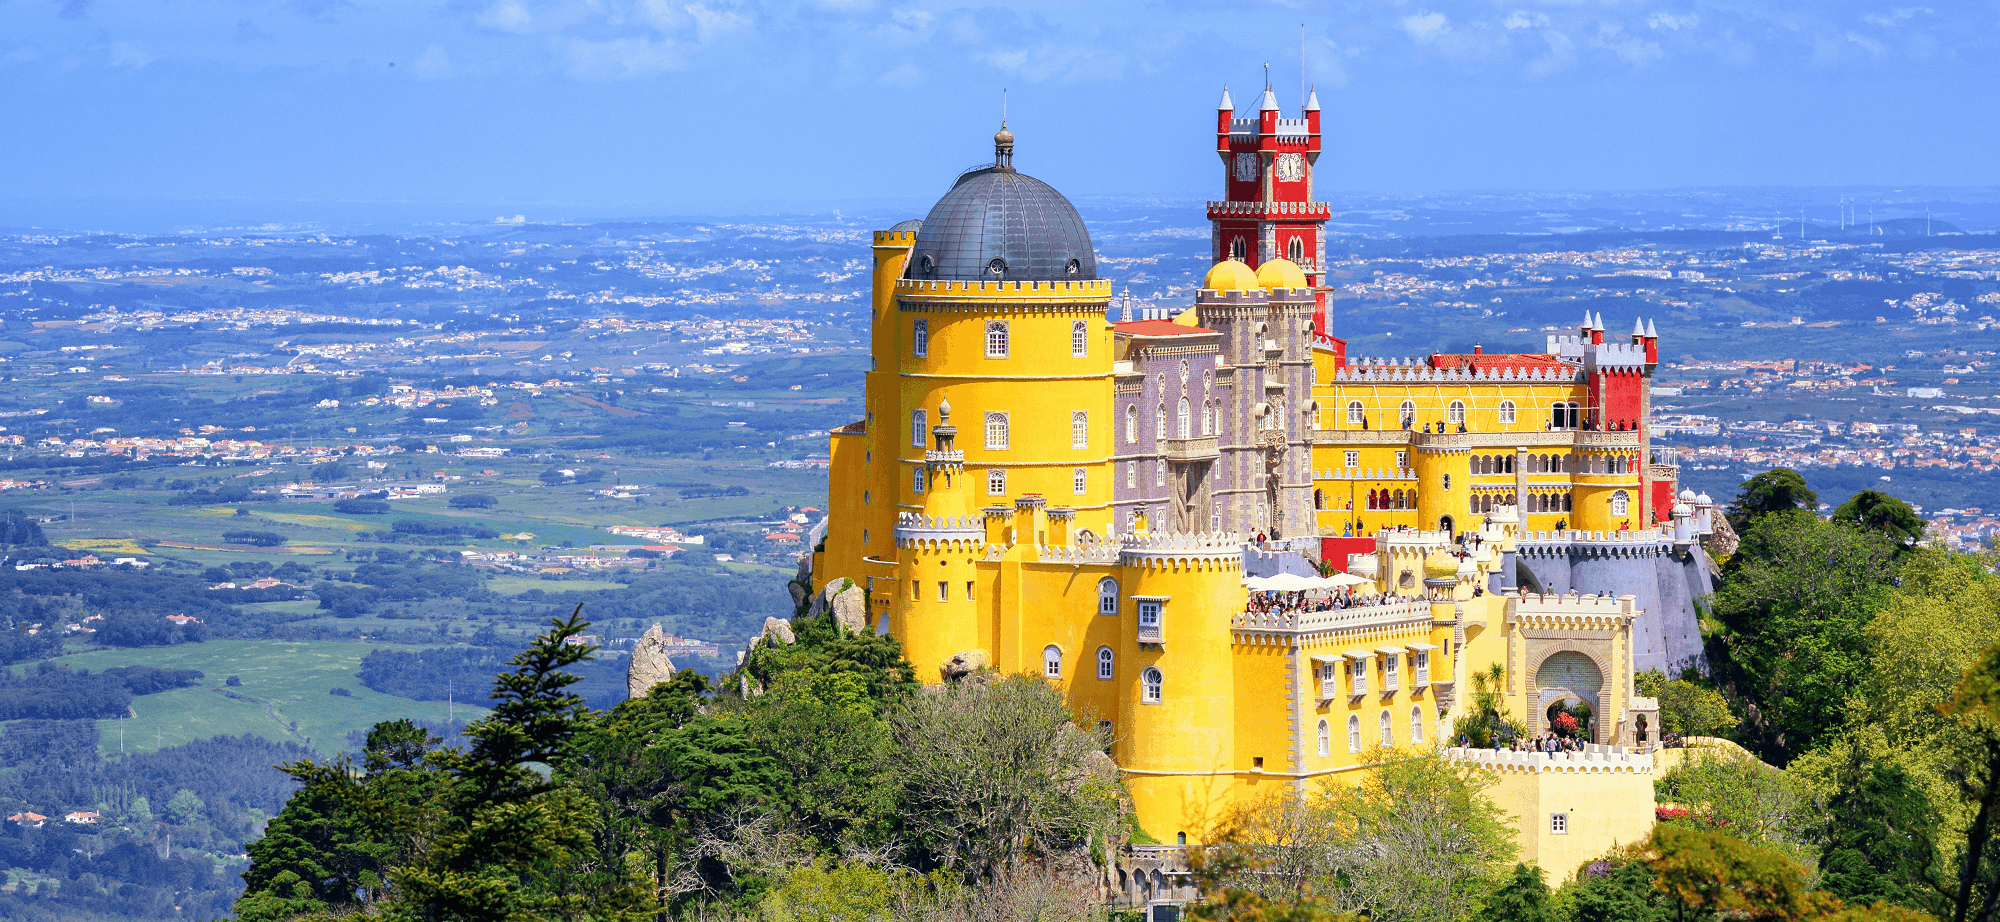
1003, 148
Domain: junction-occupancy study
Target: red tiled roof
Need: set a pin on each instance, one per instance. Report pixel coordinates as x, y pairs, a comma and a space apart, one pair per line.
1157, 328
1497, 360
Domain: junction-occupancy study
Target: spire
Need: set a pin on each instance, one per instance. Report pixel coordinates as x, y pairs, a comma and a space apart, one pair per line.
1650, 332
1226, 104
1003, 148
1125, 315
1312, 100
1270, 101
1638, 327
1598, 324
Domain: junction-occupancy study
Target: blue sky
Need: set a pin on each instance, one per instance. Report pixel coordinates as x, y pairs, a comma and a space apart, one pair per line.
578, 108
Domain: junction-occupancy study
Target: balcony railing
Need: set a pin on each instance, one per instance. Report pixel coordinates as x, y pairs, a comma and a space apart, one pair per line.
1196, 449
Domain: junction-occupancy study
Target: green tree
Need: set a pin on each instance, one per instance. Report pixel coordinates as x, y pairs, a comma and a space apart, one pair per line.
1524, 897
1748, 799
1881, 840
1975, 707
472, 501
1779, 489
1712, 872
1686, 708
1617, 888
1423, 841
1873, 510
186, 809
1486, 722
1793, 609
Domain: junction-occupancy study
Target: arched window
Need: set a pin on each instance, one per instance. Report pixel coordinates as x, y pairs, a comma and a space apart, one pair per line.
1107, 596
1080, 481
1079, 429
1417, 724
1355, 414
917, 480
1052, 661
1621, 504
1559, 417
1575, 414
1185, 420
1408, 412
996, 482
1507, 412
1107, 662
1131, 423
1160, 421
1131, 474
1456, 412
1159, 473
919, 427
1208, 418
1325, 739
996, 339
1319, 499
1353, 733
1296, 252
1151, 686
920, 338
996, 431
1399, 500
1388, 731
1079, 340
1569, 502
1236, 249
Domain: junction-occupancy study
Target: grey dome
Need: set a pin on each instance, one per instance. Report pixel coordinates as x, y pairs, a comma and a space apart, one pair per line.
999, 225
910, 225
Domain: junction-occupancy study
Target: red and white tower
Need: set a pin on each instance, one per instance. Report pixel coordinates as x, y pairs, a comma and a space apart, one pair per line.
1267, 209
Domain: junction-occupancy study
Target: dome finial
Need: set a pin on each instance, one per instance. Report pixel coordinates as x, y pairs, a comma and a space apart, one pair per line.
1003, 148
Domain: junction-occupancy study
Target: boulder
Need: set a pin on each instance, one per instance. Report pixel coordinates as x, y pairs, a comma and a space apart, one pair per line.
650, 664
844, 599
1721, 543
963, 664
777, 631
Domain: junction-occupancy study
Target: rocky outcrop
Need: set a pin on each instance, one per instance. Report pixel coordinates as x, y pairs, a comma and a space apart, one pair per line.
963, 664
1721, 544
846, 602
777, 632
650, 664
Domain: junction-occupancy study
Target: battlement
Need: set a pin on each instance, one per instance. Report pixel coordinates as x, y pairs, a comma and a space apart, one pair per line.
1081, 290
1594, 758
1364, 473
1561, 611
885, 238
1636, 543
1385, 371
1402, 612
1219, 547
915, 529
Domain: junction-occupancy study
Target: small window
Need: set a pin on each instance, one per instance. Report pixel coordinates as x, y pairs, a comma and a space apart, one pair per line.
1149, 614
1621, 504
1132, 474
996, 482
1408, 412
1355, 414
1079, 340
1236, 249
917, 480
1506, 412
1357, 672
1131, 423
1353, 458
919, 428
1402, 460
968, 590
1107, 663
1353, 733
944, 591
920, 338
1160, 422
996, 339
1388, 731
1296, 251
1107, 596
1184, 419
1159, 473
1325, 739
1456, 412
996, 431
1052, 661
1417, 724
1559, 824
1444, 481
1079, 481
1152, 686
1079, 429
1389, 676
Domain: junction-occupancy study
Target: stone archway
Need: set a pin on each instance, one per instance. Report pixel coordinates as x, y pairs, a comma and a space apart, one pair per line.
1569, 675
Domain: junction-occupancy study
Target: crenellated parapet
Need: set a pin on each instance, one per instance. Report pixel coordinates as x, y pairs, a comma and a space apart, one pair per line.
1594, 758
1369, 370
945, 532
1646, 542
1210, 548
1571, 612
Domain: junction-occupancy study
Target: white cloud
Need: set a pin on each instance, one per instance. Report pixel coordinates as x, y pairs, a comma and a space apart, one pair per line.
1671, 21
619, 58
508, 16
664, 15
1561, 54
710, 25
902, 75
434, 62
1076, 63
1425, 26
1521, 20
1896, 17
1873, 47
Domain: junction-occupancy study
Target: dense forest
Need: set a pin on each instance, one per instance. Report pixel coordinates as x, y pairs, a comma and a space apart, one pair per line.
1856, 666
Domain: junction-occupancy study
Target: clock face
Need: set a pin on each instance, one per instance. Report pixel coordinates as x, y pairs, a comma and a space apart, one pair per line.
1246, 167
1291, 167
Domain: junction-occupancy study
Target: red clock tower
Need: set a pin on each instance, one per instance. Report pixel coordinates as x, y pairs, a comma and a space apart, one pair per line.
1267, 210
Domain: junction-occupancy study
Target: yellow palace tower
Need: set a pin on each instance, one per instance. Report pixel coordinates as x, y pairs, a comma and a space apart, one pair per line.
1035, 488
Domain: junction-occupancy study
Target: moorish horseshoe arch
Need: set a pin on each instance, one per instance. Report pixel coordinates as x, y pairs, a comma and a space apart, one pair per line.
1565, 685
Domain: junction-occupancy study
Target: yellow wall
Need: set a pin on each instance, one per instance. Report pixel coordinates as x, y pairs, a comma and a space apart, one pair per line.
1605, 805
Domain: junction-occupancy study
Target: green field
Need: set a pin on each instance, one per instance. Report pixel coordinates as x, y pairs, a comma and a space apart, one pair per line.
284, 695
